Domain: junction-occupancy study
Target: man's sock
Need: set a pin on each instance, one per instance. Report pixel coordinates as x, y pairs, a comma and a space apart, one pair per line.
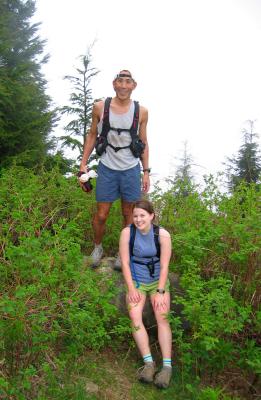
167, 362
148, 358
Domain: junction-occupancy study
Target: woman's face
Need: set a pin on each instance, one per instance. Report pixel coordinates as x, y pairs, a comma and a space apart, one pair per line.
142, 219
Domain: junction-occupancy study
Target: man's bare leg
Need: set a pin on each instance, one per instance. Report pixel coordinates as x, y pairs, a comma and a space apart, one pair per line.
126, 209
98, 223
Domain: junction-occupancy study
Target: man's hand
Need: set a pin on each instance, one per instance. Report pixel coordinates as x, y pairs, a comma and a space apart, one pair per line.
146, 182
83, 170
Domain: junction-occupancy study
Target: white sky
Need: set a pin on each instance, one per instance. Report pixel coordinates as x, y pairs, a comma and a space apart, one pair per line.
197, 64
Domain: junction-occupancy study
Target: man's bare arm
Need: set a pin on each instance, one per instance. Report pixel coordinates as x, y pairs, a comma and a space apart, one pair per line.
91, 135
145, 155
143, 137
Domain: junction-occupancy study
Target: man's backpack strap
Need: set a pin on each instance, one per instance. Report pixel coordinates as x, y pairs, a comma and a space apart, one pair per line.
136, 146
106, 117
135, 122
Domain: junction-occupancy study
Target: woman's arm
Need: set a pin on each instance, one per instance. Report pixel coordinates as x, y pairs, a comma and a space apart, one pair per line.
165, 254
133, 294
161, 300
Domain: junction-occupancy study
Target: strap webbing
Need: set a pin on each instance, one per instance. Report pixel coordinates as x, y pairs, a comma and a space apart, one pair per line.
156, 238
106, 121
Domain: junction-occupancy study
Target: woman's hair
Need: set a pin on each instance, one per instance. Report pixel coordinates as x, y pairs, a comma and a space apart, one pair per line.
145, 205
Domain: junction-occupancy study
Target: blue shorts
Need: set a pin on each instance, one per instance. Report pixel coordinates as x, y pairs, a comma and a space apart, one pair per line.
113, 184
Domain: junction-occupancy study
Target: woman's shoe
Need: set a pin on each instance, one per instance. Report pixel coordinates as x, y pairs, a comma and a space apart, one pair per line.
147, 372
162, 378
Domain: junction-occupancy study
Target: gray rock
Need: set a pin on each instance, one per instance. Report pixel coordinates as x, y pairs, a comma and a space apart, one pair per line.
107, 267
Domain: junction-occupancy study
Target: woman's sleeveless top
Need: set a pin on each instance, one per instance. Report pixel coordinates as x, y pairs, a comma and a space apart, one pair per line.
144, 251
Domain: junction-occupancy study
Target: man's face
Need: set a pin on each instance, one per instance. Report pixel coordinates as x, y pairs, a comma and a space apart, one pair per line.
124, 86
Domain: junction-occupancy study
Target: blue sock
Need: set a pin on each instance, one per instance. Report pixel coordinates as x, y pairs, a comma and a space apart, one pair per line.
148, 358
167, 362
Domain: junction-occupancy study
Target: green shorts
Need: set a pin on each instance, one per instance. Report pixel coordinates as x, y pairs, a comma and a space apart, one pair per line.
151, 288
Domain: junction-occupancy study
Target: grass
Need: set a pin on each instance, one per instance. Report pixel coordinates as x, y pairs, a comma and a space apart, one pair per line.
107, 375
104, 376
111, 375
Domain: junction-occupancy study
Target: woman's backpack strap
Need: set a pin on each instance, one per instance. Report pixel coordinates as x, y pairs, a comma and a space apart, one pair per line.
156, 229
132, 238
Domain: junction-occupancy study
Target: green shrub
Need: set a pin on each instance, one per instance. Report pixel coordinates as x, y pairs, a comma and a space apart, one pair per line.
49, 300
52, 307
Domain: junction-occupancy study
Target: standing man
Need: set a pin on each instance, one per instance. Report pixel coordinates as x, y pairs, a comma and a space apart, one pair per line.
119, 166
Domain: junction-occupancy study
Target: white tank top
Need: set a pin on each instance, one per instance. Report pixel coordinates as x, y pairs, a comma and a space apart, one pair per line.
122, 159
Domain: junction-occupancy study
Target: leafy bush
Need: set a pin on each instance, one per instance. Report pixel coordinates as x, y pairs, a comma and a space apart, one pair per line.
50, 301
216, 242
52, 307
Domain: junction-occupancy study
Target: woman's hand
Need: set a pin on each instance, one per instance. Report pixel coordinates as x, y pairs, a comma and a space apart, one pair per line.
133, 296
160, 302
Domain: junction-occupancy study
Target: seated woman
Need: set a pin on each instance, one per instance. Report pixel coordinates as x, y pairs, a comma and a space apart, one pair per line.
145, 252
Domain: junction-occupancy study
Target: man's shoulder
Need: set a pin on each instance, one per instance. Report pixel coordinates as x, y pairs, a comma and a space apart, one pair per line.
143, 113
98, 106
143, 109
98, 103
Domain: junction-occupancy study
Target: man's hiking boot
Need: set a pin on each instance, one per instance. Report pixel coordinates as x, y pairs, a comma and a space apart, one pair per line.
96, 256
117, 263
162, 378
147, 372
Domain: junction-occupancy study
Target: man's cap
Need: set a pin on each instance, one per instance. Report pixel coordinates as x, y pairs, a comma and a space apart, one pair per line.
124, 74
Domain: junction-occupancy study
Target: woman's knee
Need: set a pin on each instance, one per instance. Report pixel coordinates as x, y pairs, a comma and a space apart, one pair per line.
136, 319
162, 318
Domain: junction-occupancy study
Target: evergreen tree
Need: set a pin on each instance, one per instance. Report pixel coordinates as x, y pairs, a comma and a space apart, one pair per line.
25, 118
246, 166
81, 104
183, 178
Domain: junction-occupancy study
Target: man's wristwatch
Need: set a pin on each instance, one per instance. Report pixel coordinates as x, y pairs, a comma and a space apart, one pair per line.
146, 170
161, 291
